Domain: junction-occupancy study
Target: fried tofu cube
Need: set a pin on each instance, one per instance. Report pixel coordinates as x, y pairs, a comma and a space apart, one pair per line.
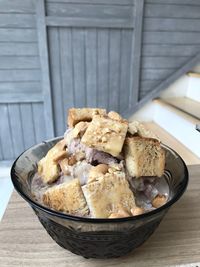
76, 132
138, 128
48, 170
114, 115
144, 157
108, 195
106, 134
76, 115
56, 150
67, 197
48, 167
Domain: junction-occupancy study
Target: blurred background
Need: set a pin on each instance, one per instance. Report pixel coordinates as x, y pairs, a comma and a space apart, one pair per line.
137, 57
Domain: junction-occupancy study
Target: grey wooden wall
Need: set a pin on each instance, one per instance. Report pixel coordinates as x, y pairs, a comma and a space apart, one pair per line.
88, 62
171, 35
55, 54
90, 65
21, 108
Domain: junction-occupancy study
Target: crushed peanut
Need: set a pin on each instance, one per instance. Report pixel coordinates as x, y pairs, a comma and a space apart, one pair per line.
72, 160
97, 172
103, 139
137, 211
60, 155
121, 213
114, 115
65, 168
159, 201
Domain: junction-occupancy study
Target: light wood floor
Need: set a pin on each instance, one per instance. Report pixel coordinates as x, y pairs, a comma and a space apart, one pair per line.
172, 142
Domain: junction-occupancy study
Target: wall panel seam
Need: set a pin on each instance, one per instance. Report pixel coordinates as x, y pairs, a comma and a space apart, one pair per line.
44, 59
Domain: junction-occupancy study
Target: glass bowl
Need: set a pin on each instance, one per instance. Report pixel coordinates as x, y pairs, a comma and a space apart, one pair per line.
97, 238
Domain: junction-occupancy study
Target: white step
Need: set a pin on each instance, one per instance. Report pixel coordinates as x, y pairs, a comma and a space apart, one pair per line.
185, 104
193, 89
179, 124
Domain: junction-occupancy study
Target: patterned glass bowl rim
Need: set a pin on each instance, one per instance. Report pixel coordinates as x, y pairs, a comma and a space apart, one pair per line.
33, 203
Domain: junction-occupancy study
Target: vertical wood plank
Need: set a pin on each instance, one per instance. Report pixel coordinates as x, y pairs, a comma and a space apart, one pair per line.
38, 118
125, 70
27, 124
16, 128
1, 140
1, 152
102, 71
136, 53
62, 73
114, 73
43, 52
66, 72
5, 133
91, 67
55, 67
79, 67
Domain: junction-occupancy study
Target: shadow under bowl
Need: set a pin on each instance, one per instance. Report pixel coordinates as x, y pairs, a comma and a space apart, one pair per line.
97, 238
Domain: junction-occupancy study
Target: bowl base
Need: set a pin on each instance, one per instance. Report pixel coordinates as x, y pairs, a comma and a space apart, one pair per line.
99, 244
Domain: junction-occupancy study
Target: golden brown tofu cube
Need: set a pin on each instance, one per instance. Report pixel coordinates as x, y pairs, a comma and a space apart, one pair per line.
144, 157
106, 134
67, 197
82, 114
48, 167
108, 195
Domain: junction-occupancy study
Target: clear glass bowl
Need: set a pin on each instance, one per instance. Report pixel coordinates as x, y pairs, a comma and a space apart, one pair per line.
97, 238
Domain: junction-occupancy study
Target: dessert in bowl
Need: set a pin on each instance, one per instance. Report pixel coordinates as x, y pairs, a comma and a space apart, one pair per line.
102, 190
